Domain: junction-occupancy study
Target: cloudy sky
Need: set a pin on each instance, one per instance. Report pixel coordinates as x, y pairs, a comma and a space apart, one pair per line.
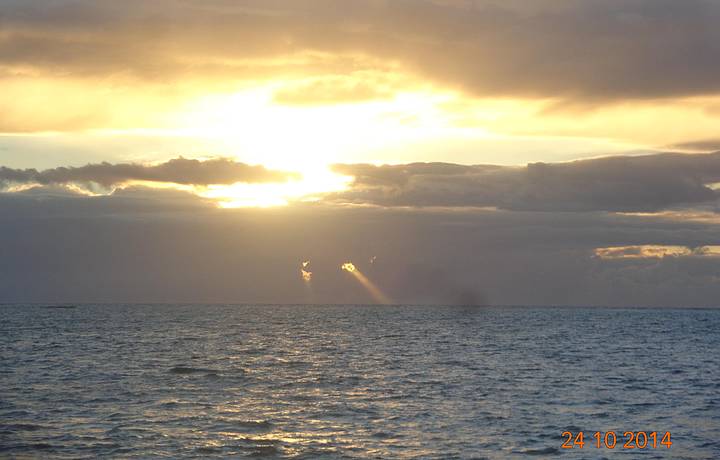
455, 151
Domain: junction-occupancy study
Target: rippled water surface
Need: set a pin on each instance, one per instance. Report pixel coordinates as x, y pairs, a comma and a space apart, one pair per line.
353, 381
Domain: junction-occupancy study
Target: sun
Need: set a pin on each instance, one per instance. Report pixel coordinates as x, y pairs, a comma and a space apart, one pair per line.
263, 130
306, 138
314, 183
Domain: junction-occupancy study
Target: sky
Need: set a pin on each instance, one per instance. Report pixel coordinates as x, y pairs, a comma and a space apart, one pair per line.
454, 152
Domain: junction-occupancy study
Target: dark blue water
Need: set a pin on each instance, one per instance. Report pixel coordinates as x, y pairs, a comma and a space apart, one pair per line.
354, 381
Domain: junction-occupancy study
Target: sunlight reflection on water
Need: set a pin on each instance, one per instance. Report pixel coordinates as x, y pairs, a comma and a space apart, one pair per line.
353, 382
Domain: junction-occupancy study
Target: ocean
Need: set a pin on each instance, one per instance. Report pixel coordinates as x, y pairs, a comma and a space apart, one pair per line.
354, 381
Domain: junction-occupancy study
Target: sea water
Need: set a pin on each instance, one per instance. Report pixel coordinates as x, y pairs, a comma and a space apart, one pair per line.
353, 381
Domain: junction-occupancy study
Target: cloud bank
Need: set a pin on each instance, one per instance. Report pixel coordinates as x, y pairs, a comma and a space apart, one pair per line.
621, 184
646, 183
177, 171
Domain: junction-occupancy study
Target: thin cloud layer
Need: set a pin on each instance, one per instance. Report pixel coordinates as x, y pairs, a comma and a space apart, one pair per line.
597, 50
177, 171
705, 145
655, 252
327, 91
620, 184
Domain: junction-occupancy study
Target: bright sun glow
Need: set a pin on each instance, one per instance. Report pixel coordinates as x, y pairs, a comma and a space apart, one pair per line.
301, 137
306, 139
313, 183
254, 126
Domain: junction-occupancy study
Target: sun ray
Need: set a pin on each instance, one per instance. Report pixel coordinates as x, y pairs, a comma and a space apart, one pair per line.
374, 291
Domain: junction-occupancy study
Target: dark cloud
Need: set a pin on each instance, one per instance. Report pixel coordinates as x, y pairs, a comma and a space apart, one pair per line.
644, 183
668, 281
179, 171
60, 202
595, 50
623, 183
137, 248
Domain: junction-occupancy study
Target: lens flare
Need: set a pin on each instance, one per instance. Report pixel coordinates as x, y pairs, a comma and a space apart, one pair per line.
305, 272
348, 267
374, 291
